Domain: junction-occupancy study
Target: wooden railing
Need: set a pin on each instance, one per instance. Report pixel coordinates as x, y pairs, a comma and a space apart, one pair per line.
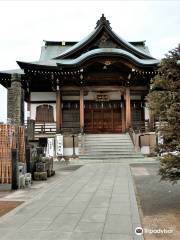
143, 126
40, 128
35, 128
45, 128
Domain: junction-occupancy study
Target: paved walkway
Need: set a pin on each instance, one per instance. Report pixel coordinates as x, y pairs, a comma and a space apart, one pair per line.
95, 202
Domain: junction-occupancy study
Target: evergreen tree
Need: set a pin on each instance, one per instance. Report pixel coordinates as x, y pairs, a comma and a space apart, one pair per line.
164, 104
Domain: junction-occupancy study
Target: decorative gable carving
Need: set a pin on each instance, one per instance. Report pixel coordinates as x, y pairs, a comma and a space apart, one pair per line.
105, 41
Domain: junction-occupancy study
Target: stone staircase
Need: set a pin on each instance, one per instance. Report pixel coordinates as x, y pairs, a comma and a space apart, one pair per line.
107, 147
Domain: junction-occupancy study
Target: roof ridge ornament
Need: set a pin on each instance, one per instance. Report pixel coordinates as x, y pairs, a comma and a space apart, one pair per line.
103, 21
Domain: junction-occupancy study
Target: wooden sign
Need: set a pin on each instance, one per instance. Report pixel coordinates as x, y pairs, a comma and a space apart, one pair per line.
102, 98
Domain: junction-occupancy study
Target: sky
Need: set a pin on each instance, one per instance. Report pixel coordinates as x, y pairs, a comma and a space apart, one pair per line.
25, 24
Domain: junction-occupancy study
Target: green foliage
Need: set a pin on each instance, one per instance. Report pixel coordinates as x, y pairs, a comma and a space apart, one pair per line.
164, 103
170, 168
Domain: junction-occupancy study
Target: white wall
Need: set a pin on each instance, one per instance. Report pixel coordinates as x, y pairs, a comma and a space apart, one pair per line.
43, 96
3, 104
135, 97
92, 96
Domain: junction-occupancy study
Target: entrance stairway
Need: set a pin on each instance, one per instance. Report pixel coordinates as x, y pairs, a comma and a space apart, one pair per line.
108, 147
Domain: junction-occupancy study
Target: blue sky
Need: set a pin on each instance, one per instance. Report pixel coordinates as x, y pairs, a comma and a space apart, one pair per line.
25, 24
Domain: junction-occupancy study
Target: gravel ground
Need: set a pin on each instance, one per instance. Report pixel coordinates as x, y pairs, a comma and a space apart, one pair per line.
159, 202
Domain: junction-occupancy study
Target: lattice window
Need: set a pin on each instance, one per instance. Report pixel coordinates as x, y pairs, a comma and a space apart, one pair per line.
44, 113
136, 115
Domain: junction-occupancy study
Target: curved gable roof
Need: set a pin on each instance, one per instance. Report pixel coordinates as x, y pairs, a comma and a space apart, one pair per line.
103, 25
114, 52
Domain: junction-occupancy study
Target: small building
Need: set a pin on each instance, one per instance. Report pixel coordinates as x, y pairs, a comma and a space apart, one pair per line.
97, 85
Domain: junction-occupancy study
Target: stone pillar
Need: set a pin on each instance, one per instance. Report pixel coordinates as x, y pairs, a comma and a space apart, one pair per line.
58, 111
82, 110
15, 113
15, 101
128, 108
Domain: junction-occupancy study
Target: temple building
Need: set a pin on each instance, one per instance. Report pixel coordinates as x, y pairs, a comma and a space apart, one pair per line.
97, 85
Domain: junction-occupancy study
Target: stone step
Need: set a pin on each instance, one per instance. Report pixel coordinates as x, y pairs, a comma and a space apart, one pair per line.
106, 138
113, 148
105, 134
107, 141
114, 157
88, 151
123, 161
109, 147
110, 156
108, 152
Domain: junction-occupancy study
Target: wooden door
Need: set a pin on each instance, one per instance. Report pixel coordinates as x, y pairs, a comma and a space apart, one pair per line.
117, 120
97, 120
103, 118
107, 120
70, 116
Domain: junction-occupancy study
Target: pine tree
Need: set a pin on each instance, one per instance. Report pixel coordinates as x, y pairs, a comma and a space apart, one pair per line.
164, 104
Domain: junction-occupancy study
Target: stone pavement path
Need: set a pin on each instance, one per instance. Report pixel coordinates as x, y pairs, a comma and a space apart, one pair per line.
96, 202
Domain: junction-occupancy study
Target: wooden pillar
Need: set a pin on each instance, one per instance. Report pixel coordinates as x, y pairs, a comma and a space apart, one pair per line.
82, 110
123, 114
128, 108
15, 170
58, 111
29, 107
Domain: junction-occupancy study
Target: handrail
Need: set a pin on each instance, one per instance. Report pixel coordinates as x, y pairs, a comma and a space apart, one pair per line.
132, 134
135, 137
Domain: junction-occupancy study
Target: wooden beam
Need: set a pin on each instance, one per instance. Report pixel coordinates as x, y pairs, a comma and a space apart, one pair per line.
58, 111
139, 88
82, 109
94, 88
128, 108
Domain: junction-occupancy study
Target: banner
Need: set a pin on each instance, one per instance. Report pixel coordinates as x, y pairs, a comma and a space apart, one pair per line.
59, 145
